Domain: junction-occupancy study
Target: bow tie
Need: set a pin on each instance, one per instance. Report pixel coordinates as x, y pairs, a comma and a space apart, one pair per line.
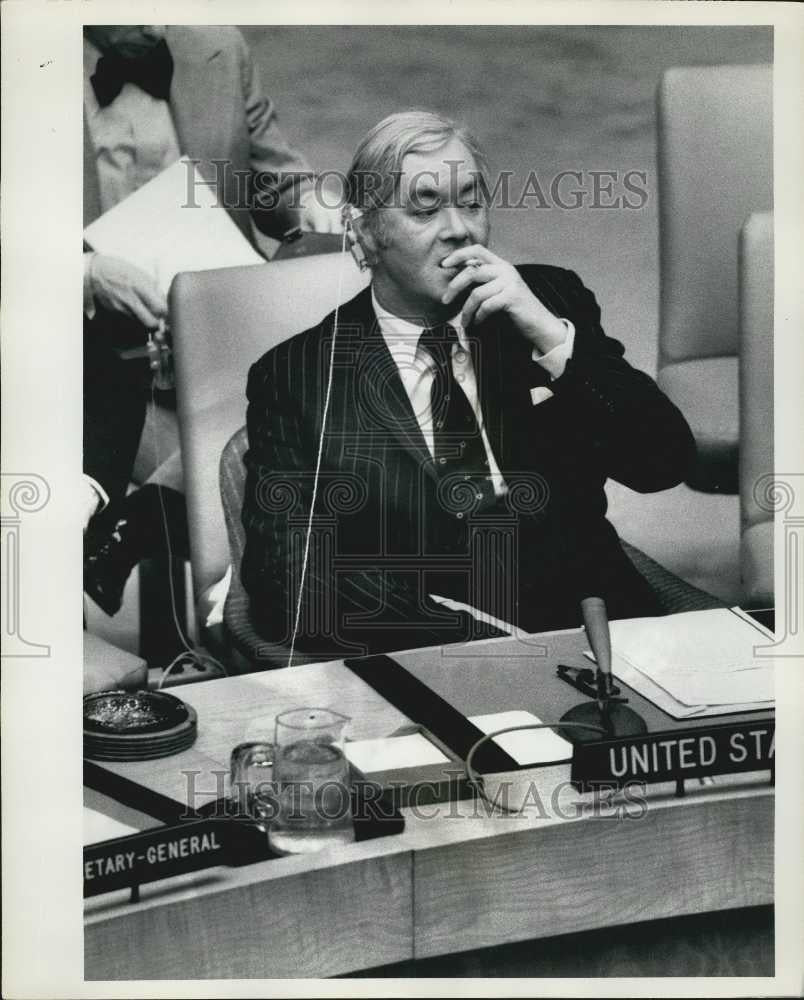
151, 72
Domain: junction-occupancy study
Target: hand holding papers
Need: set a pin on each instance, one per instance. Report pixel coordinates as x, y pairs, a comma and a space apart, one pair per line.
122, 287
173, 223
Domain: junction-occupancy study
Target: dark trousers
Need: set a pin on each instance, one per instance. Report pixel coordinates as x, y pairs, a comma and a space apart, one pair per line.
115, 397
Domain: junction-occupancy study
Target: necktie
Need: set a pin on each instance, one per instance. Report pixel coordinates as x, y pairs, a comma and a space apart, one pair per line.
456, 434
464, 491
151, 72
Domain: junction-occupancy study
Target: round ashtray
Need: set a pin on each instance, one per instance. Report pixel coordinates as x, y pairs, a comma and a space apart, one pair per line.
132, 713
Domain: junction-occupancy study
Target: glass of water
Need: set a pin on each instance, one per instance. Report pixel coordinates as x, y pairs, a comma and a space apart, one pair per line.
251, 786
311, 777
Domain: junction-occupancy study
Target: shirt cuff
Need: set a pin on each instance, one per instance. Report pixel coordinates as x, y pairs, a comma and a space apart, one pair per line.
555, 361
103, 496
89, 301
306, 190
307, 194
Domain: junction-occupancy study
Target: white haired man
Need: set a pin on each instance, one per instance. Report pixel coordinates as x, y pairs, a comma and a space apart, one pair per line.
476, 410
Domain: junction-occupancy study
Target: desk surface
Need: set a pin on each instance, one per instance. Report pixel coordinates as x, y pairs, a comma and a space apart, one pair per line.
456, 878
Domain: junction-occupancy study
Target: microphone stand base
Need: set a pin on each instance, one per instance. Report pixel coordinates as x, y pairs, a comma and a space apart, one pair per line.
618, 721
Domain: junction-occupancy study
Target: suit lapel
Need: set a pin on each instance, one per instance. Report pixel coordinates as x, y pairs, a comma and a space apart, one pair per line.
380, 393
92, 202
195, 96
505, 375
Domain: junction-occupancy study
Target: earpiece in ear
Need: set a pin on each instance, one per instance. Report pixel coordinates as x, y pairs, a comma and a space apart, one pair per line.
349, 215
357, 251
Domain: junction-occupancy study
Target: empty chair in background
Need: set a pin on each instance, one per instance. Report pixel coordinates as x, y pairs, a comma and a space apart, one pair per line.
714, 169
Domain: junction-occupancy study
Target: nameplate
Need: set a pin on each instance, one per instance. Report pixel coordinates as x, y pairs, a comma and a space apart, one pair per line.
729, 748
157, 854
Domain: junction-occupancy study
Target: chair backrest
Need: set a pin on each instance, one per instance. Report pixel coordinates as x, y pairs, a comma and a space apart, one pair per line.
756, 367
222, 321
714, 168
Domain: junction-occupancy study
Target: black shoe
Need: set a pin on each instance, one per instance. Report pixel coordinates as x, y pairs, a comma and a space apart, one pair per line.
126, 532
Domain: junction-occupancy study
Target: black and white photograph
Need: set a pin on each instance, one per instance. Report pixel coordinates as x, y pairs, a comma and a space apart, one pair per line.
417, 516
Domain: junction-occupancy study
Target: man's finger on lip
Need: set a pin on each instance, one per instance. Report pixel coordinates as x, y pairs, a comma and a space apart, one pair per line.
456, 258
471, 264
463, 279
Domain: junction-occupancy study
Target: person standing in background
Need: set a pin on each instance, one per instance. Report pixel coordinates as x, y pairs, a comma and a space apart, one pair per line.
153, 93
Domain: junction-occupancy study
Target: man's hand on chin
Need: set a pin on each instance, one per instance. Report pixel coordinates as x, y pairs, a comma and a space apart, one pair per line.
499, 288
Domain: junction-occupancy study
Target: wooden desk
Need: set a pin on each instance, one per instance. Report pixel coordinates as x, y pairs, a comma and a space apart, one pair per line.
455, 879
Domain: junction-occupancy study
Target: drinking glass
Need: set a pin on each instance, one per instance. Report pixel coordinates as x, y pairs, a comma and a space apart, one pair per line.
311, 776
251, 778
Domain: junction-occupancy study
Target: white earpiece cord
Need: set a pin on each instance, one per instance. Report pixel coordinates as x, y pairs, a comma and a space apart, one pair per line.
476, 780
306, 556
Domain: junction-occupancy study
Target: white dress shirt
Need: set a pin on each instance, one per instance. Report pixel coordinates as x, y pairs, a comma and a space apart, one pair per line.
134, 139
134, 136
417, 371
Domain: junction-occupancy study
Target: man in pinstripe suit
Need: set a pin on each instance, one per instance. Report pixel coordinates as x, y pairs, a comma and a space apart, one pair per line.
468, 413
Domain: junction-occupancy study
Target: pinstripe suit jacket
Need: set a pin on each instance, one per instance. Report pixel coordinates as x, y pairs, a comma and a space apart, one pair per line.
379, 489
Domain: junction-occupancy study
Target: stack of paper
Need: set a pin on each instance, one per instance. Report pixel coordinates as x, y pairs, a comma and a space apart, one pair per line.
528, 746
98, 827
696, 663
392, 753
532, 746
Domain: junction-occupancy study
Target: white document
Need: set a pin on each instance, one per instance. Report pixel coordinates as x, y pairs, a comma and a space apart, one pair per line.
170, 225
696, 663
531, 746
628, 674
98, 827
478, 615
695, 687
413, 750
717, 641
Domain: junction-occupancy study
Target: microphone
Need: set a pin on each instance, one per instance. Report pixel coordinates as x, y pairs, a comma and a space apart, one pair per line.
608, 711
596, 624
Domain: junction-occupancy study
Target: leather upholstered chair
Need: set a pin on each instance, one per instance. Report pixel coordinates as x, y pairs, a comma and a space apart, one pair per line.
247, 650
714, 169
756, 408
222, 322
